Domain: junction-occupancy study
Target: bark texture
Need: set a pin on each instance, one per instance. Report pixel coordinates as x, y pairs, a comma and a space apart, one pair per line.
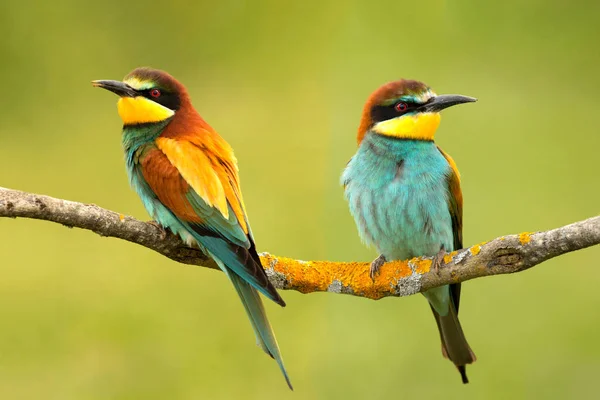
503, 255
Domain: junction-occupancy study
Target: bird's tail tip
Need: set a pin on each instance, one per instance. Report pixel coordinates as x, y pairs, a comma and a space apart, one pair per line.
279, 362
279, 301
463, 373
287, 379
265, 337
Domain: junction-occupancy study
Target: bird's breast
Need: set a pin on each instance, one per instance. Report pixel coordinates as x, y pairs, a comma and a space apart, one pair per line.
398, 194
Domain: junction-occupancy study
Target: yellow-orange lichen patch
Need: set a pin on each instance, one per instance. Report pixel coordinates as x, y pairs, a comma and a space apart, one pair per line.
476, 248
303, 275
421, 265
121, 217
318, 276
448, 257
389, 273
525, 237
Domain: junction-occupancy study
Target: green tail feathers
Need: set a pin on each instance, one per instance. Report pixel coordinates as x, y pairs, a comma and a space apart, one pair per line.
253, 305
454, 343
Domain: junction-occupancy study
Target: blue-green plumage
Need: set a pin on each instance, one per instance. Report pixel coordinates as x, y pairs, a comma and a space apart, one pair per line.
404, 193
397, 191
399, 195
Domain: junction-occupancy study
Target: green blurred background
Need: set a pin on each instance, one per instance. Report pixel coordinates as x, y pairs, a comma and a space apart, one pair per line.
85, 317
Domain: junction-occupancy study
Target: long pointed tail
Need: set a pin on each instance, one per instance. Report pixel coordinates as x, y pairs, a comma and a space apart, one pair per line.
454, 343
265, 337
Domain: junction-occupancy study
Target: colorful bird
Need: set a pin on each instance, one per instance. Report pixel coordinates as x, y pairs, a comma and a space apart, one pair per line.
187, 178
404, 194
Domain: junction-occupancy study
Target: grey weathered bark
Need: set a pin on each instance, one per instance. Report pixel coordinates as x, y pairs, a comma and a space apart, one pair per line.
504, 255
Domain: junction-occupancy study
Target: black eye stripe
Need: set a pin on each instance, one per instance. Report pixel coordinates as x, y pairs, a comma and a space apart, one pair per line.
383, 113
168, 99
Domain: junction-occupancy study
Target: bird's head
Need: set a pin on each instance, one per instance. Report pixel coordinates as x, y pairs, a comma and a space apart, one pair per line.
406, 109
146, 96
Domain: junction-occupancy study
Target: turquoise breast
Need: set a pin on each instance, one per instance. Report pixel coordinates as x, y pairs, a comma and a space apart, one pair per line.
398, 195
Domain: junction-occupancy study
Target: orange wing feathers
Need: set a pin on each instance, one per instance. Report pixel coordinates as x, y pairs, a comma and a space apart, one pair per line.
207, 164
168, 185
205, 161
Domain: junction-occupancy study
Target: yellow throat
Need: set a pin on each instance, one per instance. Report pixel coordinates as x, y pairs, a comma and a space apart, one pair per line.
420, 126
140, 110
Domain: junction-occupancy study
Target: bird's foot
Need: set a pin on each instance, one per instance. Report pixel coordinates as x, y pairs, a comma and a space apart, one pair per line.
161, 230
438, 260
376, 265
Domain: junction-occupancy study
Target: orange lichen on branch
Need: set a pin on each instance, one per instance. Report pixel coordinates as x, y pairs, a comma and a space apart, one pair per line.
422, 266
449, 256
389, 272
304, 276
525, 237
395, 278
476, 249
343, 277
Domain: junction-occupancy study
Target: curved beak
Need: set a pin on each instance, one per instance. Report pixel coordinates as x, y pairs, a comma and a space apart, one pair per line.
117, 87
438, 103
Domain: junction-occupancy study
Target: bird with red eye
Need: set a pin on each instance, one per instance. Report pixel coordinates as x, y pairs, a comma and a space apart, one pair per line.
155, 93
401, 106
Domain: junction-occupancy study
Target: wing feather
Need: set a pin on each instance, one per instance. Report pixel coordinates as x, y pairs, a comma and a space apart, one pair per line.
198, 170
455, 205
196, 177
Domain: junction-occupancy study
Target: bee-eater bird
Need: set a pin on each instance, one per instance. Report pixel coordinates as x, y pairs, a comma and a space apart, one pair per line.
187, 178
404, 194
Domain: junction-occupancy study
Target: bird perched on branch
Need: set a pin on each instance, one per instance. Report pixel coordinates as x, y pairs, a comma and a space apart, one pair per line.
187, 178
404, 194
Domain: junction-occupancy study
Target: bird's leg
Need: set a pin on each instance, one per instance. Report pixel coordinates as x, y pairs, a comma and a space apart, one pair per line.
438, 260
161, 230
375, 265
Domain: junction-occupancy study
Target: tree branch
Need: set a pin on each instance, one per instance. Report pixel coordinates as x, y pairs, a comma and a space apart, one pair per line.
503, 255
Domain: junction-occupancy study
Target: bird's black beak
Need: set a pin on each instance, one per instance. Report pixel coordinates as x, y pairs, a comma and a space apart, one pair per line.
120, 88
438, 103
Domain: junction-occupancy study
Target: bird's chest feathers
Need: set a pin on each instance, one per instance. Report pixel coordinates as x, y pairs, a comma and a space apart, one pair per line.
134, 171
138, 139
392, 164
398, 195
138, 142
